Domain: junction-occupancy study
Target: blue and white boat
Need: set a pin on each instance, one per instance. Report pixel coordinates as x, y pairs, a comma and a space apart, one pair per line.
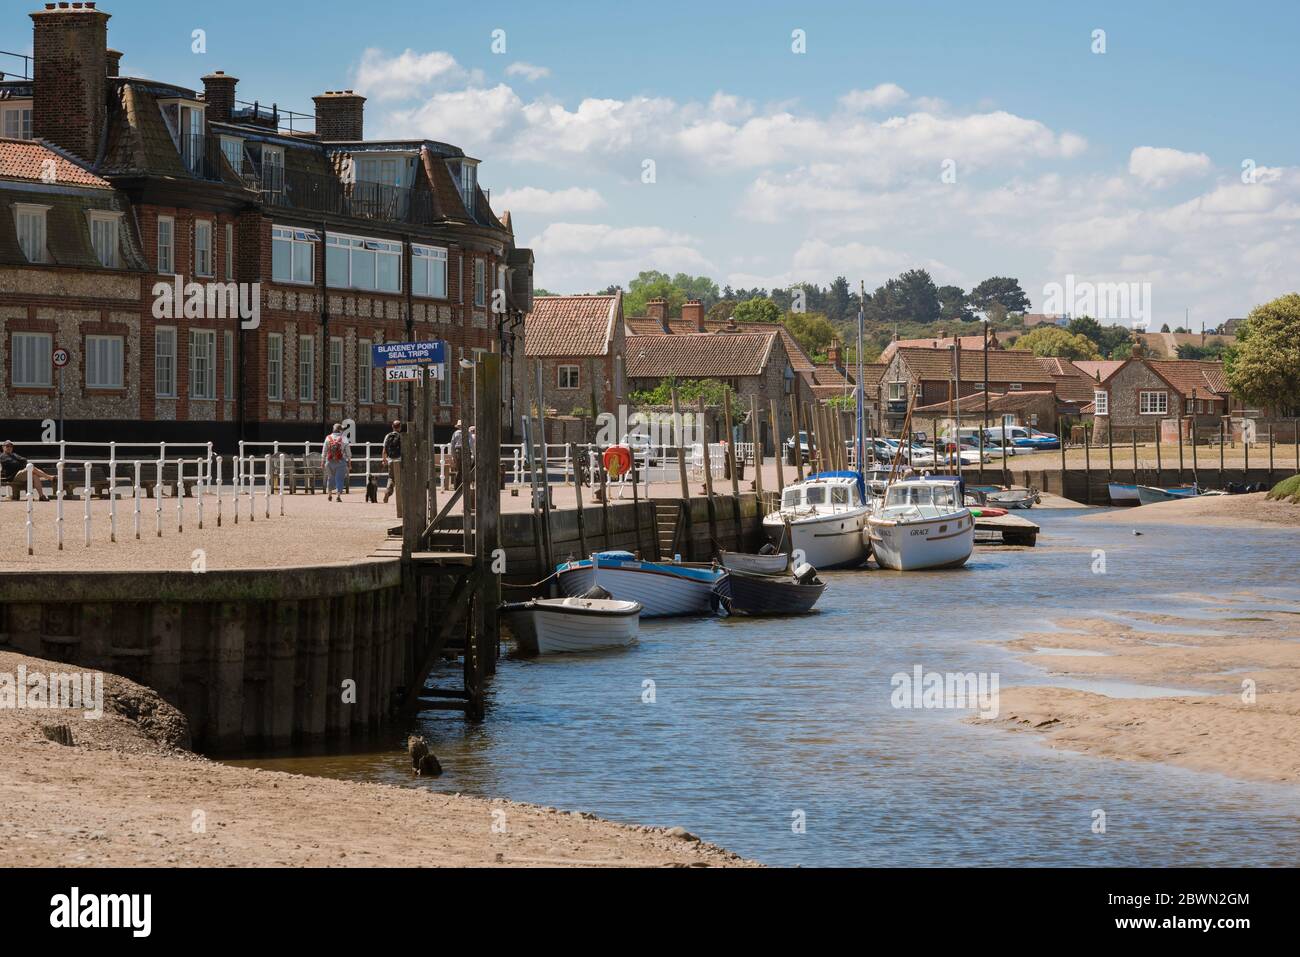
663, 589
1150, 494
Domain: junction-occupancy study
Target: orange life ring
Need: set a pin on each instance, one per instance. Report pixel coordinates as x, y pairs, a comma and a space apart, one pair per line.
618, 460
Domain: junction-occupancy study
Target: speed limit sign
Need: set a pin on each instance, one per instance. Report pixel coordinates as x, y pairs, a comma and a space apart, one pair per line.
60, 358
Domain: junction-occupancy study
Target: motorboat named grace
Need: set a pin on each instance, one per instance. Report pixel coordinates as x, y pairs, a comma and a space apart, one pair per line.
822, 517
662, 588
923, 523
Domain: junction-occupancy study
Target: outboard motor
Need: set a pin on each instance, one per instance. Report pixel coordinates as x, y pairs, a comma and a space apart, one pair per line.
804, 573
767, 549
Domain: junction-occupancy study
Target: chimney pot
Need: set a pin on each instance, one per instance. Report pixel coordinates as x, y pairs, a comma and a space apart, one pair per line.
70, 77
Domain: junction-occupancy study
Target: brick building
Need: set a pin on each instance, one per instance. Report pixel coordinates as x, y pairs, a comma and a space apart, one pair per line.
579, 343
292, 252
1143, 392
928, 376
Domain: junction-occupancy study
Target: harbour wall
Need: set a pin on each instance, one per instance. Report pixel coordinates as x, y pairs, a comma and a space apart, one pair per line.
1090, 486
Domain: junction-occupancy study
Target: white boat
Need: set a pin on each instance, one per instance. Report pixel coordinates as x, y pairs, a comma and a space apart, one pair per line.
550, 626
922, 524
775, 563
663, 589
821, 517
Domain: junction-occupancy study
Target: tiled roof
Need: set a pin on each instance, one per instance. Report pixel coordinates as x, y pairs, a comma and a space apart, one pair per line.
1072, 383
700, 355
799, 360
27, 159
1187, 374
67, 230
1099, 369
562, 326
1004, 366
997, 402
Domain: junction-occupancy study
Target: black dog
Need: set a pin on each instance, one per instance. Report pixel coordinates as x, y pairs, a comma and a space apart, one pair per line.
372, 490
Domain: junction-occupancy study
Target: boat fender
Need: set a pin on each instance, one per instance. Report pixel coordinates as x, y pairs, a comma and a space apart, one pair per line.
804, 573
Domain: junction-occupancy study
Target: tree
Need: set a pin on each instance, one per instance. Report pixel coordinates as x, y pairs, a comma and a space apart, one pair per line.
1087, 326
1209, 351
1055, 341
999, 289
839, 301
811, 330
954, 305
1165, 327
1264, 368
689, 392
1116, 342
721, 310
757, 310
911, 297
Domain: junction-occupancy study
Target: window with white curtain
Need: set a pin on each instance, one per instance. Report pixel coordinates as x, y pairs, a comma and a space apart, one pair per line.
365, 372
336, 369
103, 362
354, 262
202, 247
31, 222
30, 361
104, 230
166, 245
306, 368
228, 347
164, 362
275, 367
293, 255
203, 364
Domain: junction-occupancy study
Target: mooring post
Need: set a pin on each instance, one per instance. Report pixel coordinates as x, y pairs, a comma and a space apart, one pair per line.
487, 505
1087, 464
778, 445
680, 425
756, 431
708, 478
732, 465
794, 426
1222, 440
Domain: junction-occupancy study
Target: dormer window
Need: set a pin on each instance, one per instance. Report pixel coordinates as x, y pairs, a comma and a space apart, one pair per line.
16, 120
30, 220
468, 183
105, 227
185, 117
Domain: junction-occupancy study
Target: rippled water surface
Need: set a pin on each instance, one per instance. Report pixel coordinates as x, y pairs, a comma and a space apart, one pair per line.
754, 721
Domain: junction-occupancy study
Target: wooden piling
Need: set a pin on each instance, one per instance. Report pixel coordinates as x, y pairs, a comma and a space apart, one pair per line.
708, 478
732, 467
757, 430
794, 425
680, 425
778, 444
487, 505
577, 490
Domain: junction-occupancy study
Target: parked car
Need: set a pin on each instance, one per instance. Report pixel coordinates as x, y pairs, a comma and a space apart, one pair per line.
804, 451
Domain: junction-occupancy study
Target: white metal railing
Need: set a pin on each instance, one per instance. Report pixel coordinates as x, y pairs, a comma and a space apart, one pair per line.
252, 484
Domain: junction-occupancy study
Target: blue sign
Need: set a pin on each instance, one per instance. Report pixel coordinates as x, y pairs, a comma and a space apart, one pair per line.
386, 355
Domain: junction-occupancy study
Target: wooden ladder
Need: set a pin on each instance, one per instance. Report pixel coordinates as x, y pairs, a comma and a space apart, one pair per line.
668, 517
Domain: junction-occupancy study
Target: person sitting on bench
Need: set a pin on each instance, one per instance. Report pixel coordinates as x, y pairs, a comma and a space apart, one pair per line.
13, 472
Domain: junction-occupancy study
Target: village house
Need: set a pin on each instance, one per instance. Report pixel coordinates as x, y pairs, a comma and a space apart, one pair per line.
1036, 409
997, 340
1141, 393
579, 343
305, 248
926, 377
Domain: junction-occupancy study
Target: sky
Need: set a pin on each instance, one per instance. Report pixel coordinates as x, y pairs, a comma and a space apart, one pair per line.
764, 144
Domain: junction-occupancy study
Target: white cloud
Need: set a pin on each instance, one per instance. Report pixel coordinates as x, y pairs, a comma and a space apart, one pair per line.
545, 202
528, 71
581, 257
1158, 166
881, 96
383, 77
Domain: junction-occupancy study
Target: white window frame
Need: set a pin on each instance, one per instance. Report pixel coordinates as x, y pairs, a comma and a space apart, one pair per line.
468, 182
302, 252
31, 360
1015, 386
394, 397
203, 364
164, 362
167, 250
37, 215
897, 391
1100, 402
230, 252
561, 376
424, 261
97, 376
306, 368
365, 373
21, 128
109, 226
336, 369
1148, 404
228, 353
233, 145
480, 283
357, 247
275, 367
203, 248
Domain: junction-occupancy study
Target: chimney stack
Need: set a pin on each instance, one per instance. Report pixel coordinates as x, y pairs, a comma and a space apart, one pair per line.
219, 95
657, 309
835, 355
114, 62
693, 313
340, 115
70, 76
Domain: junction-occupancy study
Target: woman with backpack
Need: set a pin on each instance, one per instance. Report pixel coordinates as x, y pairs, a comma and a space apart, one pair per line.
335, 455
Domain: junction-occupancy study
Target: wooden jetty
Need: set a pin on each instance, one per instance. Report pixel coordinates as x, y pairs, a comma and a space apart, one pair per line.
1010, 529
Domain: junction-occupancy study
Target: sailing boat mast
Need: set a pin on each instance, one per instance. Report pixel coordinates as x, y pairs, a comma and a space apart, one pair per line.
861, 413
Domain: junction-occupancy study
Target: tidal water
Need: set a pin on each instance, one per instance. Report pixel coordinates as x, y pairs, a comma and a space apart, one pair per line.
757, 727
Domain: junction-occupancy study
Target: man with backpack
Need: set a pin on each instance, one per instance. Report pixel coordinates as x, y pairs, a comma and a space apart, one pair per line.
335, 454
392, 459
